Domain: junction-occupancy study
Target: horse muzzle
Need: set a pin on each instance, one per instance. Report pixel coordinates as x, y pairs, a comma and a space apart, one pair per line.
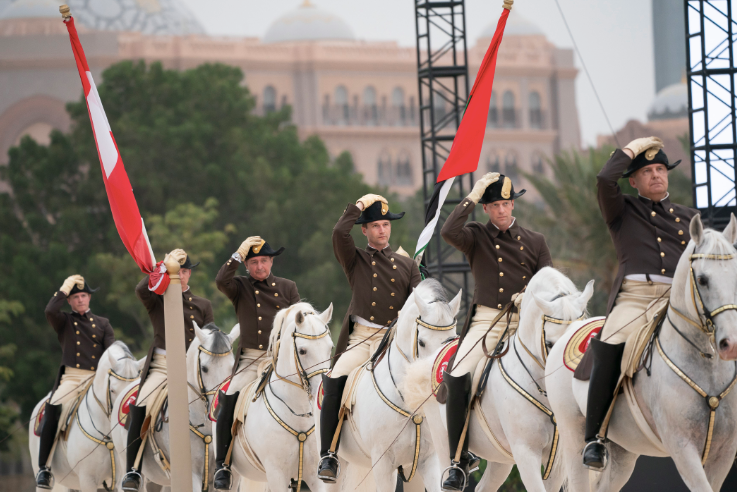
727, 348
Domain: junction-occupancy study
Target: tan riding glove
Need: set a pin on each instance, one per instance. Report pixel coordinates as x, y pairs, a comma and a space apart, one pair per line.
248, 244
649, 145
69, 283
370, 199
480, 187
180, 255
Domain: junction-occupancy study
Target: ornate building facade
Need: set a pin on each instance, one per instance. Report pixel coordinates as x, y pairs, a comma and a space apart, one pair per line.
358, 96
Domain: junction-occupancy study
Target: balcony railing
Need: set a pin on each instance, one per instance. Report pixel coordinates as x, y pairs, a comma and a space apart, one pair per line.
512, 118
368, 115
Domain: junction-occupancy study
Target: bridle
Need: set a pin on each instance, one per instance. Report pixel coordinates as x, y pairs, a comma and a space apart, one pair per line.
418, 323
202, 392
108, 407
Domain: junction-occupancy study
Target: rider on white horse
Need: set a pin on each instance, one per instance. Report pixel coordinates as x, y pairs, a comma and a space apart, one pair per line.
503, 256
256, 299
84, 337
153, 376
649, 233
381, 280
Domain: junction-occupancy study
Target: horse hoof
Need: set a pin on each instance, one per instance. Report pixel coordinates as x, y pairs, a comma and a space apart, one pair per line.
44, 479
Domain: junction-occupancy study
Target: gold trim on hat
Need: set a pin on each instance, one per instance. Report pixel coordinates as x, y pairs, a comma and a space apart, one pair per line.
506, 188
256, 249
384, 208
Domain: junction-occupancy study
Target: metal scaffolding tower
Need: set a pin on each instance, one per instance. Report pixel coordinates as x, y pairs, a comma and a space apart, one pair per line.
442, 73
711, 98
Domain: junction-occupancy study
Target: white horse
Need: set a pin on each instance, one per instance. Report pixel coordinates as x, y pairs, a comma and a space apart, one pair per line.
675, 411
520, 423
209, 363
279, 426
85, 460
385, 435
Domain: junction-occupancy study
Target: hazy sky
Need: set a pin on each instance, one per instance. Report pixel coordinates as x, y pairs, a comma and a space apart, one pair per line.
614, 36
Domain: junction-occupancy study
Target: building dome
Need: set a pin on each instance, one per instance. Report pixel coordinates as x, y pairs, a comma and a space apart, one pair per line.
516, 26
307, 23
670, 103
164, 17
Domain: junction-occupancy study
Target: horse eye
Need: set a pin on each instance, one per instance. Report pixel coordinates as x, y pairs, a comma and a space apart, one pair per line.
703, 280
204, 368
421, 343
302, 351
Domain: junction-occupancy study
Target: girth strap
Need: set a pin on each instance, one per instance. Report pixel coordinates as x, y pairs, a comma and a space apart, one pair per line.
711, 401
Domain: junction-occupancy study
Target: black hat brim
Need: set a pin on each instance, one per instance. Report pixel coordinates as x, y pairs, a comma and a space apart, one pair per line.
87, 289
669, 167
265, 251
514, 196
388, 216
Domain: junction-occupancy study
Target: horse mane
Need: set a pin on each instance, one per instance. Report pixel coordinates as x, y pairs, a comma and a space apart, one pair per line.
281, 326
122, 346
714, 243
551, 284
432, 292
220, 343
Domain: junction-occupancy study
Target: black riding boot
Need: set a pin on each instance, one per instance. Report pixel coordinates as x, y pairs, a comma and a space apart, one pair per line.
329, 467
456, 408
132, 479
604, 376
44, 478
223, 432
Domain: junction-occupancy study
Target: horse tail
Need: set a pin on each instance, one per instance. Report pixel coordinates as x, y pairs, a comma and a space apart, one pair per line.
418, 383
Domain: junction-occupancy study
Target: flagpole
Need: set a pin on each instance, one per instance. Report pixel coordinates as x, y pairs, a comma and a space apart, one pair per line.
180, 453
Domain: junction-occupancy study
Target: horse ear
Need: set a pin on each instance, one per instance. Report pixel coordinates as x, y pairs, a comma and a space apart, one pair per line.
235, 332
730, 232
141, 363
455, 304
422, 306
111, 357
696, 229
200, 334
327, 315
546, 306
300, 318
587, 293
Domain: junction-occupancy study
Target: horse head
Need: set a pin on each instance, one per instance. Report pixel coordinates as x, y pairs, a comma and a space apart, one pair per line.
210, 359
550, 304
426, 320
704, 291
116, 370
300, 344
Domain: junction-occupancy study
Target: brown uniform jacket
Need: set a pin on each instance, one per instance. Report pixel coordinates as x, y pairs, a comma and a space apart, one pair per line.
196, 309
256, 303
380, 281
83, 338
501, 262
649, 236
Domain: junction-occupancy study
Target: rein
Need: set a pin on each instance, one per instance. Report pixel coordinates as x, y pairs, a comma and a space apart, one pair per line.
708, 327
304, 377
202, 391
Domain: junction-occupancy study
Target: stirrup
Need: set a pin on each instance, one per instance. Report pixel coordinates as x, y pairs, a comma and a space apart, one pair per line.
225, 469
329, 454
473, 462
457, 466
604, 458
45, 469
132, 472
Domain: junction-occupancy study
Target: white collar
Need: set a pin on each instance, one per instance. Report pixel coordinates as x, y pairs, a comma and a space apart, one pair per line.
377, 249
510, 225
667, 194
185, 290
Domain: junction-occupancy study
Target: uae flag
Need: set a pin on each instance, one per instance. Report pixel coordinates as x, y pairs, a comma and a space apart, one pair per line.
123, 204
466, 148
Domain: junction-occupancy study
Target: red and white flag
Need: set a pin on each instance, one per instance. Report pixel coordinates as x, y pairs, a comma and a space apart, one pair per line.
123, 204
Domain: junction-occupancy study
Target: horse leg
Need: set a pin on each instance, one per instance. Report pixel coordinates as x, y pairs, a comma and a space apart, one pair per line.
571, 444
688, 462
618, 472
528, 464
385, 477
278, 481
494, 476
429, 470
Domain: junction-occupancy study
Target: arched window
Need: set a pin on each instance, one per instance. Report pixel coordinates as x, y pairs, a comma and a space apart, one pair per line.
399, 111
536, 115
385, 169
509, 118
326, 119
371, 110
269, 99
404, 170
341, 105
492, 163
412, 118
493, 112
511, 169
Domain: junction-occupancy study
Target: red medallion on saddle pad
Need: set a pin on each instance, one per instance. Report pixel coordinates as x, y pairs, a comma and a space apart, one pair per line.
215, 399
39, 418
579, 342
128, 400
441, 364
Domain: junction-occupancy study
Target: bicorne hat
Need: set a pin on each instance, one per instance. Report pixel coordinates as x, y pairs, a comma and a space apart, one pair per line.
188, 264
503, 189
263, 250
641, 161
86, 288
378, 211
